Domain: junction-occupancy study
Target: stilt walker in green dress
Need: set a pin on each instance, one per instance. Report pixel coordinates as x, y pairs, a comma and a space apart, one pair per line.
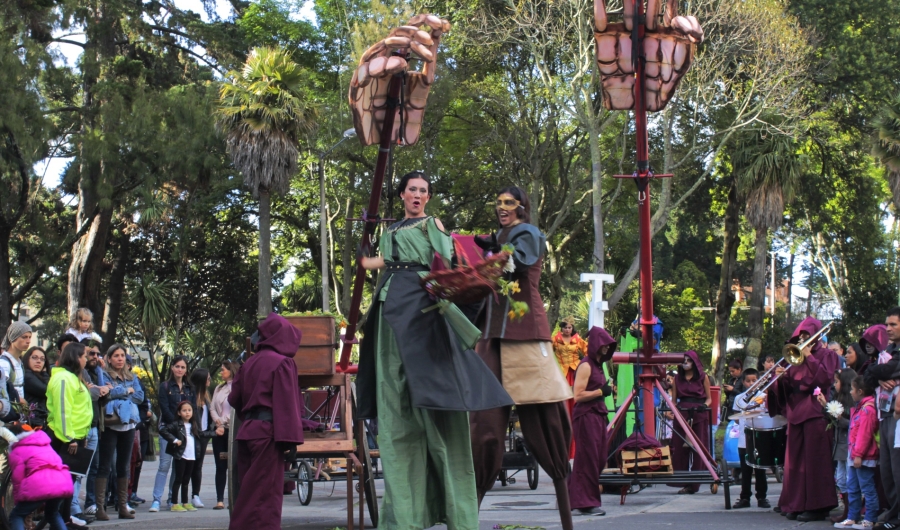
419, 376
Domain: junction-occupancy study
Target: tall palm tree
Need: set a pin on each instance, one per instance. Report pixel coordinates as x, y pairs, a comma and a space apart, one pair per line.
887, 146
768, 167
263, 111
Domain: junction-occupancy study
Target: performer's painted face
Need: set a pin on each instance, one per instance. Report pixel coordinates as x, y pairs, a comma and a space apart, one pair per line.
415, 196
507, 207
687, 364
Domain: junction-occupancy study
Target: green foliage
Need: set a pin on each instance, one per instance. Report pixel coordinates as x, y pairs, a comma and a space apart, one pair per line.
264, 110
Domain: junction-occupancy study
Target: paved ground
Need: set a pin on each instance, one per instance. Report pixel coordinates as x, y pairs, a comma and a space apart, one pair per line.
513, 506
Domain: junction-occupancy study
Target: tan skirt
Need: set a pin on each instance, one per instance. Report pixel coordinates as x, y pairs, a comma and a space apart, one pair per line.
531, 373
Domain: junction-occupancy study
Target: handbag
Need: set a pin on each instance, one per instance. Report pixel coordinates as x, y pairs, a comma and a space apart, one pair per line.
112, 419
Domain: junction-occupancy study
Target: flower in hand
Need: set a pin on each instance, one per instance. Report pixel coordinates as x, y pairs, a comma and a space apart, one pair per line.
834, 409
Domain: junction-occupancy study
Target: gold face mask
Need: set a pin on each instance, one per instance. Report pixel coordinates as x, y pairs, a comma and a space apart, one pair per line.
507, 202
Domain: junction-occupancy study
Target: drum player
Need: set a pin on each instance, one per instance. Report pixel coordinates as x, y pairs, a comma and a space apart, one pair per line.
755, 418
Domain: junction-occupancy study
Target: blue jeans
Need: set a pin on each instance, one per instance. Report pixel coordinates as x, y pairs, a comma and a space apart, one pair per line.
861, 483
51, 514
165, 463
840, 475
91, 441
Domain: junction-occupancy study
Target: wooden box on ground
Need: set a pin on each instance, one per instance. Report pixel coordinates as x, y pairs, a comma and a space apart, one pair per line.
652, 461
317, 346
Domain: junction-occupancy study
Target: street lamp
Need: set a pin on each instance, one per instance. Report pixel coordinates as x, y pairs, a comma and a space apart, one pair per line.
323, 219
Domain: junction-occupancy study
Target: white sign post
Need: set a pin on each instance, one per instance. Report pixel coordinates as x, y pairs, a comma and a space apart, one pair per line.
598, 305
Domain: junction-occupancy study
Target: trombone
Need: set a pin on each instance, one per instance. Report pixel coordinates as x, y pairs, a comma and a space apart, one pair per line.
792, 355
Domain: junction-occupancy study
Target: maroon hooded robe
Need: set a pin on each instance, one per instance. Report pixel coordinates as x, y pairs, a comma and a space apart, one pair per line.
266, 382
692, 404
808, 476
876, 336
589, 421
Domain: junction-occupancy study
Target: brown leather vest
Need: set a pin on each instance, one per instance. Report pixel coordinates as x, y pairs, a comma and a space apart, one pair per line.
532, 326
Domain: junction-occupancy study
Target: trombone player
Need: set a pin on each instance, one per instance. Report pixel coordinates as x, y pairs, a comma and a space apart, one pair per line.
808, 492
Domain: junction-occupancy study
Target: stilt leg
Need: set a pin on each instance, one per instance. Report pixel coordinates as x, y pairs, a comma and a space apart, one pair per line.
562, 500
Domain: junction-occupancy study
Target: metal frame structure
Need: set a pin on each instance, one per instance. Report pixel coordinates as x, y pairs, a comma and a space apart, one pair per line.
649, 378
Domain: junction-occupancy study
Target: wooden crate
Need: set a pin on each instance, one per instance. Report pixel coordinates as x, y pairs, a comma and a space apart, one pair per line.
654, 461
339, 441
316, 353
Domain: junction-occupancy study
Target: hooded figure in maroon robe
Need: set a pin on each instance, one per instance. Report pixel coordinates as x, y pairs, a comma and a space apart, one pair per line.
692, 397
266, 397
808, 492
589, 421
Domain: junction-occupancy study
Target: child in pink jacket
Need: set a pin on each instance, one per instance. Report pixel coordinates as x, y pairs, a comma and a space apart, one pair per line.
39, 477
863, 454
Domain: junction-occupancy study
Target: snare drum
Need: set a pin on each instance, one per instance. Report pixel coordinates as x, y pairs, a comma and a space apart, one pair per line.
766, 447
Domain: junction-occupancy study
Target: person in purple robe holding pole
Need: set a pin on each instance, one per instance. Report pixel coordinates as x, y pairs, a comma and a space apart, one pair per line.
808, 490
268, 430
691, 394
589, 421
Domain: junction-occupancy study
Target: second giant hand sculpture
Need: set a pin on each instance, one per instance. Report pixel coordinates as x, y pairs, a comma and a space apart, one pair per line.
668, 51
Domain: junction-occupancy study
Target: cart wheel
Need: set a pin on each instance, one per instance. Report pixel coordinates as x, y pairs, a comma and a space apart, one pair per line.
533, 474
779, 474
368, 471
234, 483
503, 480
713, 488
304, 482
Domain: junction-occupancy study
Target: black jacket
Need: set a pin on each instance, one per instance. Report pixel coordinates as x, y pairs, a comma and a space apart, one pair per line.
36, 387
36, 395
170, 396
884, 372
176, 431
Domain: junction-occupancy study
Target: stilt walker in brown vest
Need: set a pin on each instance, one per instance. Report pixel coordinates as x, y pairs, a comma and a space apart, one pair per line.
518, 350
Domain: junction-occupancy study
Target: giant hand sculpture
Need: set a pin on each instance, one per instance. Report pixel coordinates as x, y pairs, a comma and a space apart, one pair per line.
668, 52
369, 85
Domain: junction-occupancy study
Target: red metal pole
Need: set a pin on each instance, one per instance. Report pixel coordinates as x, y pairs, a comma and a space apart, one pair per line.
643, 183
371, 214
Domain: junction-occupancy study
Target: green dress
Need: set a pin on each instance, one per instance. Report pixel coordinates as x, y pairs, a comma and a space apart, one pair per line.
417, 365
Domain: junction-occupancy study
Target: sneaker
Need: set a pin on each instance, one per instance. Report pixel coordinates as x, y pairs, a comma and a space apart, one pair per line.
79, 521
134, 499
846, 523
195, 500
190, 507
131, 509
154, 506
91, 510
178, 508
865, 525
71, 525
763, 503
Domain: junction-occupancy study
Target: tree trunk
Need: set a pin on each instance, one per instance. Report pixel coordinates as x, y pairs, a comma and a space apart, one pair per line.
790, 284
808, 297
265, 256
5, 285
725, 298
757, 299
86, 268
597, 198
115, 292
